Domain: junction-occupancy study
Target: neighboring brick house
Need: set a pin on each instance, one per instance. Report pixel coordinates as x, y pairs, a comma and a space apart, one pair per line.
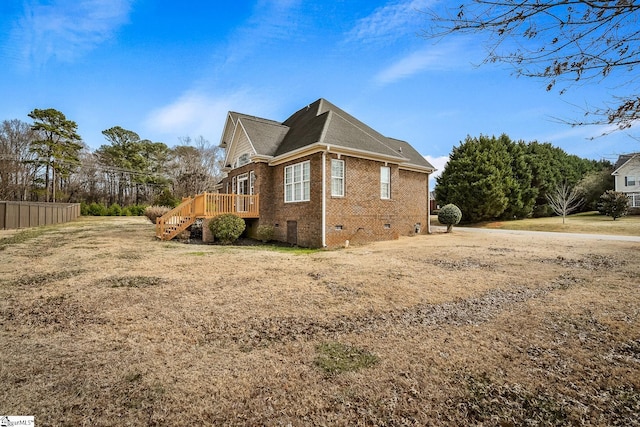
323, 177
627, 179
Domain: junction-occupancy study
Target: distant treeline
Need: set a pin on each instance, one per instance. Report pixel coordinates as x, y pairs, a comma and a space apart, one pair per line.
47, 161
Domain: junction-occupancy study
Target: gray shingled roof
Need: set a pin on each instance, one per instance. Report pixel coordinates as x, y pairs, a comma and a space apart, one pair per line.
622, 159
323, 122
411, 153
265, 136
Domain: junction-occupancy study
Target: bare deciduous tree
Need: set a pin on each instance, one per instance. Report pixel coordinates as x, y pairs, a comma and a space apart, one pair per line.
565, 200
560, 41
17, 166
195, 167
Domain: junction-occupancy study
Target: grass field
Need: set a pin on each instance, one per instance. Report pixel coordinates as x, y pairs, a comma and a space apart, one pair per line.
102, 325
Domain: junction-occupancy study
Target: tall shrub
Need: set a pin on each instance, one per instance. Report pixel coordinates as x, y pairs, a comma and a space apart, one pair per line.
227, 228
154, 212
614, 204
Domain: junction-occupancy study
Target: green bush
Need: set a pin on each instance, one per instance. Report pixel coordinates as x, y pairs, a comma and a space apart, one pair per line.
133, 210
265, 232
449, 215
114, 210
154, 212
227, 228
614, 204
97, 209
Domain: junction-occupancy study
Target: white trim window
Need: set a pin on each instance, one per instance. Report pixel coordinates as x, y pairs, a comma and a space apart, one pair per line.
297, 182
337, 178
630, 181
243, 160
385, 182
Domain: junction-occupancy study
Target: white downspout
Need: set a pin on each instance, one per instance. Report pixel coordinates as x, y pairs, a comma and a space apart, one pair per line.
324, 198
428, 205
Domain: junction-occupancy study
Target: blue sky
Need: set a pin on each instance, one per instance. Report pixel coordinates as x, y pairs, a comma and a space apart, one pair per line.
167, 69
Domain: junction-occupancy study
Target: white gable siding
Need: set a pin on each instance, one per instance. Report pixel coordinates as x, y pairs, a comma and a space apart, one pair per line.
628, 170
227, 133
239, 146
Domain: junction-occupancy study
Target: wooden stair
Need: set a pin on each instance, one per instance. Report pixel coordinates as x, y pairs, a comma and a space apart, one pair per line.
206, 205
176, 220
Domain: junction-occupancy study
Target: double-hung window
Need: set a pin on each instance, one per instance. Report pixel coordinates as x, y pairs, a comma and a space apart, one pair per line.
385, 182
629, 181
297, 182
337, 178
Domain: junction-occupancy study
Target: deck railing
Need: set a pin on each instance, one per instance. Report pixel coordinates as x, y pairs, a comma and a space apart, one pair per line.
206, 205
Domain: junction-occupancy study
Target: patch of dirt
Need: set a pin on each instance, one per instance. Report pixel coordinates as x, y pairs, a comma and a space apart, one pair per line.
52, 313
133, 281
589, 262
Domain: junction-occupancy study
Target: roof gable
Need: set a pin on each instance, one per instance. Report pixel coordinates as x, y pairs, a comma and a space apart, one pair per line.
238, 145
265, 136
624, 160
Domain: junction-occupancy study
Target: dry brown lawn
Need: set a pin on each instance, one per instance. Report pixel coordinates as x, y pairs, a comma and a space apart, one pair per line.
103, 325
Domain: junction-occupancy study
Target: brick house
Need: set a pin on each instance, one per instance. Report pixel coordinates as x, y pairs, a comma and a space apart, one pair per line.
626, 172
324, 178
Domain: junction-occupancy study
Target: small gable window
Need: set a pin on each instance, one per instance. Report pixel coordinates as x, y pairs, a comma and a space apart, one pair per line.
385, 182
630, 181
297, 182
243, 160
337, 178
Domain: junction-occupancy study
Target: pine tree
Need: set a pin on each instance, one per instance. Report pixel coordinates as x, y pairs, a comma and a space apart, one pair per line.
57, 146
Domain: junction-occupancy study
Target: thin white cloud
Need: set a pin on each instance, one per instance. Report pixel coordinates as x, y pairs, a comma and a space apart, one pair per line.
271, 21
390, 22
408, 66
64, 29
203, 109
439, 57
197, 113
439, 163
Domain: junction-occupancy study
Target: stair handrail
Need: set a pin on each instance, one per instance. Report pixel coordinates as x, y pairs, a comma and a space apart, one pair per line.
177, 211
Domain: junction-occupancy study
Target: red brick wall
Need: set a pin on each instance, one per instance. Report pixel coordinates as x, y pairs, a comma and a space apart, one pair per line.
361, 214
413, 198
308, 215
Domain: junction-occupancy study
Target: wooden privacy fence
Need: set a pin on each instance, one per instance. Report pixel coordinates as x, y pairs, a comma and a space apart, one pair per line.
33, 214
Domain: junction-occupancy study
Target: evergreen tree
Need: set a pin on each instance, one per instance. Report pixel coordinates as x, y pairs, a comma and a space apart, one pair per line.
57, 146
477, 178
495, 178
552, 166
134, 165
594, 184
521, 194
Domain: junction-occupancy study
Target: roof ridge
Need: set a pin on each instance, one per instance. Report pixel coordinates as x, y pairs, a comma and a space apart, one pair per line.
250, 117
265, 121
363, 130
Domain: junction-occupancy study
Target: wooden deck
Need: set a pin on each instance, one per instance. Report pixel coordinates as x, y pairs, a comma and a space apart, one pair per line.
206, 205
